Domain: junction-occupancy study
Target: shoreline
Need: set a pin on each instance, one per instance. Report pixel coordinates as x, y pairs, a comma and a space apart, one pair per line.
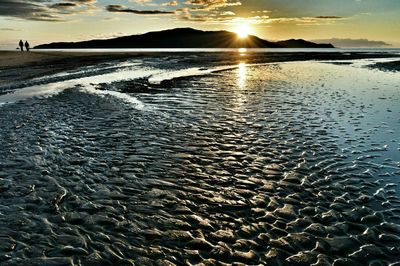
22, 66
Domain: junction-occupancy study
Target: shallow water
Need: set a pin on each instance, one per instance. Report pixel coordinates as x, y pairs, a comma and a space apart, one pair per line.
271, 164
224, 50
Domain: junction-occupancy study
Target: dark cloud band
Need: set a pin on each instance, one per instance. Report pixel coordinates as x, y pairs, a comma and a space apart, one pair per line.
123, 9
328, 17
43, 10
63, 5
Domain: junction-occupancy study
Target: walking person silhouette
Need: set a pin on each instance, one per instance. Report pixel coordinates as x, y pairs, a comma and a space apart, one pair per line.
27, 46
21, 45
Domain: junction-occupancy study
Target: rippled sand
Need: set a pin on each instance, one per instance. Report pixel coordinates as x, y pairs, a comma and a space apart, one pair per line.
270, 164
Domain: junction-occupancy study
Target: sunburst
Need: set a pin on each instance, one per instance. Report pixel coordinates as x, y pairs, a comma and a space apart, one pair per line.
243, 30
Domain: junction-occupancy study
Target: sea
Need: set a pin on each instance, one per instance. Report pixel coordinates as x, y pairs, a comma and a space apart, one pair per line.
224, 50
204, 157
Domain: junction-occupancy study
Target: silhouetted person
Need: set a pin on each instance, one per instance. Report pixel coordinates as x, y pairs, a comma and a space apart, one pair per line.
27, 46
21, 45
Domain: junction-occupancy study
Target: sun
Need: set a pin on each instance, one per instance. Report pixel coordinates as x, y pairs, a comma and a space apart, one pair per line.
242, 30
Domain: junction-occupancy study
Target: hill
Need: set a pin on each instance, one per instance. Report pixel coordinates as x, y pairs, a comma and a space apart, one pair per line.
183, 38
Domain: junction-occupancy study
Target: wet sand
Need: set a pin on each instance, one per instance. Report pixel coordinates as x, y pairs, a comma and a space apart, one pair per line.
387, 66
276, 164
18, 66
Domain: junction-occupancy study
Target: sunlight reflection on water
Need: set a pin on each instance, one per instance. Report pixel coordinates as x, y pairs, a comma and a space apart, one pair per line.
242, 72
240, 159
240, 93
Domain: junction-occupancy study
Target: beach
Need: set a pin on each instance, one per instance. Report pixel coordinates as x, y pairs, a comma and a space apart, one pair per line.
20, 66
199, 159
28, 65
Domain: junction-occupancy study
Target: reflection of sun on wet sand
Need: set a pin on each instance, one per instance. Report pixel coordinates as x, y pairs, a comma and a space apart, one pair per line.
20, 66
234, 160
253, 165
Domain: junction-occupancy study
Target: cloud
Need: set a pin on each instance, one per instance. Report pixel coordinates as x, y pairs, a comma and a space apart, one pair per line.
260, 11
9, 29
328, 17
86, 2
20, 9
202, 11
63, 5
354, 43
229, 18
172, 3
141, 2
124, 9
44, 10
318, 20
215, 12
227, 13
185, 14
110, 18
85, 37
211, 4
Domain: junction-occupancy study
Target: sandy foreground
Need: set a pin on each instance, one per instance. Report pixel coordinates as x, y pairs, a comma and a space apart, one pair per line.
275, 164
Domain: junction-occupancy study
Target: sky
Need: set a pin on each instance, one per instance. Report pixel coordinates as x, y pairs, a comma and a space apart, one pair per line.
363, 23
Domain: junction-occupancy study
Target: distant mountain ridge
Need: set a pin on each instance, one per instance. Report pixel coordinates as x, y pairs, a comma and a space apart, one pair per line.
183, 38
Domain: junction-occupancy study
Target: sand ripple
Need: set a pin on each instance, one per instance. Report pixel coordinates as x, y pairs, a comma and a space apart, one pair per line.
282, 164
